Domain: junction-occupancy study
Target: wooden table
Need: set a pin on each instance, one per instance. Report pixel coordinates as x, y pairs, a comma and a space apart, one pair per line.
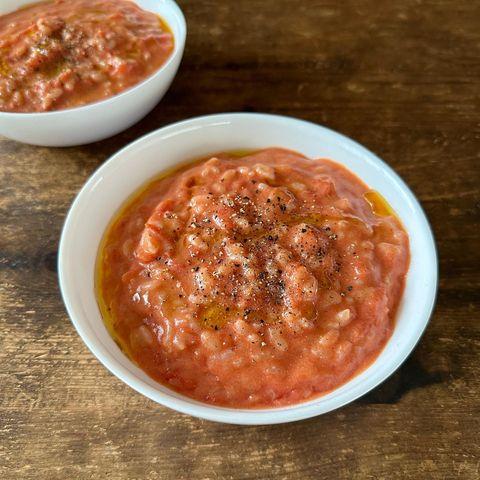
402, 78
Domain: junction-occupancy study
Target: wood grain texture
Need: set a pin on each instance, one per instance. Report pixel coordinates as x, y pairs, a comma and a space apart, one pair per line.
403, 78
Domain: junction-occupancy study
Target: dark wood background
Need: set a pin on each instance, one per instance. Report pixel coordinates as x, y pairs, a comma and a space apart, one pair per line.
401, 77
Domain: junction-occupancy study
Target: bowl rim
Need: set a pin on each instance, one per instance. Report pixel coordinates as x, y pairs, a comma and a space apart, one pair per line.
263, 416
178, 47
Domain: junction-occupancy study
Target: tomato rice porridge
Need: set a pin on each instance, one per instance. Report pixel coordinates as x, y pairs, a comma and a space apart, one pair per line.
61, 54
253, 281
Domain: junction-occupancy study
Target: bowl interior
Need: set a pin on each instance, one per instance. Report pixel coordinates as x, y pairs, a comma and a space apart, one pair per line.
109, 187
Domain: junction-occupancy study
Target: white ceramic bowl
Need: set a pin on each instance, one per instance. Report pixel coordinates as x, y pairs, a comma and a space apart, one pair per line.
130, 168
99, 120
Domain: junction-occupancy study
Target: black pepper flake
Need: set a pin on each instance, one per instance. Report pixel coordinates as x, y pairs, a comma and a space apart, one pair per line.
304, 230
349, 288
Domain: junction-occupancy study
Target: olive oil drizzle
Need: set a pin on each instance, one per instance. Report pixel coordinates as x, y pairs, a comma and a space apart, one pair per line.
378, 204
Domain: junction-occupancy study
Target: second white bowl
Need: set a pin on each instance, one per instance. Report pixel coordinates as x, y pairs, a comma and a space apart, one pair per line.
99, 120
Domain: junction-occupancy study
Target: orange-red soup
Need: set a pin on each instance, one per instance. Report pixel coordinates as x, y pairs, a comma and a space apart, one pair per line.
253, 281
65, 53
